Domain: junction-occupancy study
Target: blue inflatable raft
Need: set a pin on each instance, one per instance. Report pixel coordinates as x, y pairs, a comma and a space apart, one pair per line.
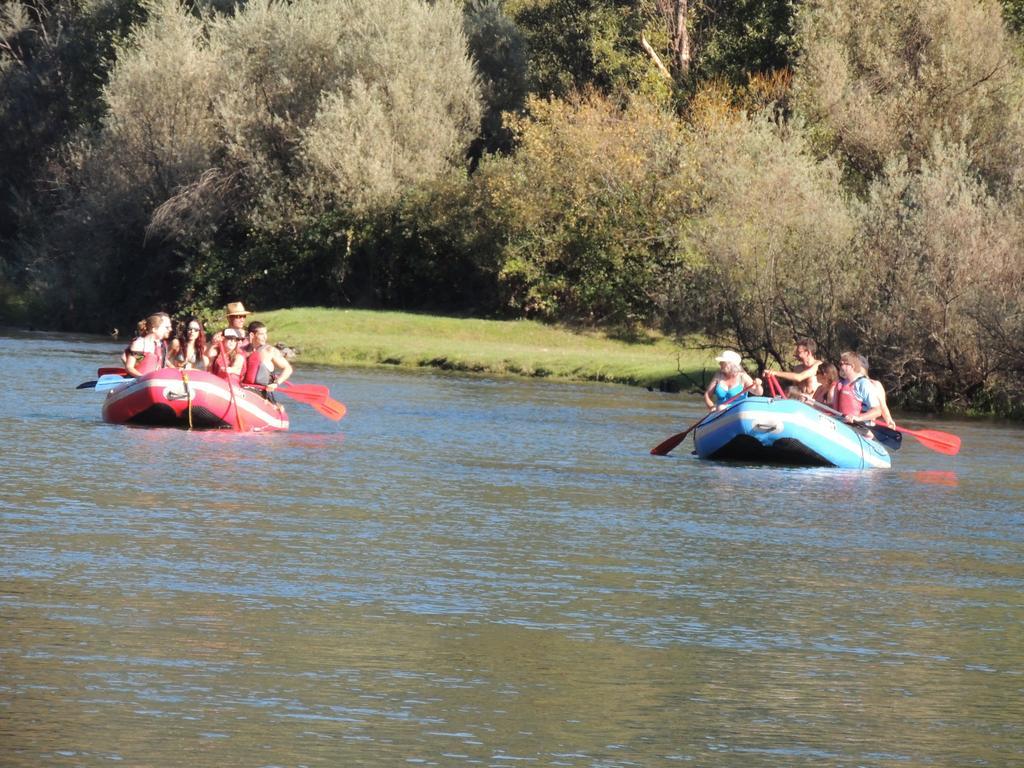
781, 431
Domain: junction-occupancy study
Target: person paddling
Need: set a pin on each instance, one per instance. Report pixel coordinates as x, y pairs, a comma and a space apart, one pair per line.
729, 381
805, 375
228, 362
236, 314
266, 366
149, 353
856, 397
883, 402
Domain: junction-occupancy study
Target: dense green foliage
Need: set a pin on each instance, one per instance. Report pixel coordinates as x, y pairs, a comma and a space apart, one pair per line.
849, 170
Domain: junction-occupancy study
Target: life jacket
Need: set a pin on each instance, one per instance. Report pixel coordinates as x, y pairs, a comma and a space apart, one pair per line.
219, 367
149, 360
847, 401
255, 371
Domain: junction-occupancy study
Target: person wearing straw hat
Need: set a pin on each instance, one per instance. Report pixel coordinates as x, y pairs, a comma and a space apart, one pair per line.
236, 313
730, 381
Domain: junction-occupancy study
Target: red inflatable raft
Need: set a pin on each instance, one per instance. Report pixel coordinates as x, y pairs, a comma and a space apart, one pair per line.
191, 400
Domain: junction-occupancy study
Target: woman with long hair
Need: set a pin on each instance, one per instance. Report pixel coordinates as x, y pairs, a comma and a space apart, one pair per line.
149, 352
828, 375
188, 347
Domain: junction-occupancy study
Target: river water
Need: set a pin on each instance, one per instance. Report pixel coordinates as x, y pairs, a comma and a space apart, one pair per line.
470, 571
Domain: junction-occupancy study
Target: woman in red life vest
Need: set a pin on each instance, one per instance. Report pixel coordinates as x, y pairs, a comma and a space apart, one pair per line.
149, 353
228, 362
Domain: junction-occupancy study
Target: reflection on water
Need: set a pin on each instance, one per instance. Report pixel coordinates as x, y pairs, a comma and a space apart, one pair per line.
469, 571
937, 477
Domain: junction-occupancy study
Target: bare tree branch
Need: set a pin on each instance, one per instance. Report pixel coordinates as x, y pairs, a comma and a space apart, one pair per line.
654, 56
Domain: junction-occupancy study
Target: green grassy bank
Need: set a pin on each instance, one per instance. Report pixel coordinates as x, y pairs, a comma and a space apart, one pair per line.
349, 337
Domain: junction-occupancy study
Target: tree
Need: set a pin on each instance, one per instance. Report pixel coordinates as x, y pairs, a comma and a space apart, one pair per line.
732, 40
581, 46
944, 320
499, 51
239, 151
879, 79
676, 15
773, 232
589, 213
52, 66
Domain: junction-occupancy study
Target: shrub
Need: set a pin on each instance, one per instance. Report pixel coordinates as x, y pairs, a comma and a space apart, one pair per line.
880, 78
253, 139
773, 235
499, 50
943, 318
590, 212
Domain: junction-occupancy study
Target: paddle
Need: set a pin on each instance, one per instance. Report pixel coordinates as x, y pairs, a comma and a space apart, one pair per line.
317, 396
105, 371
231, 387
773, 385
664, 447
104, 383
318, 391
940, 442
887, 436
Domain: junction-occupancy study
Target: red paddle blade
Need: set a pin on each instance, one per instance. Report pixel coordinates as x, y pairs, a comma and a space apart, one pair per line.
318, 391
942, 442
302, 396
663, 448
332, 412
110, 371
331, 403
320, 403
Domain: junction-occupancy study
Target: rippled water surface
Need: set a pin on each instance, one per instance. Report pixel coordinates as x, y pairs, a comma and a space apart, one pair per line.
468, 571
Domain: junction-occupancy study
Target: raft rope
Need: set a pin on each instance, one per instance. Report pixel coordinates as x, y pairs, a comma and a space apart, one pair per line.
188, 396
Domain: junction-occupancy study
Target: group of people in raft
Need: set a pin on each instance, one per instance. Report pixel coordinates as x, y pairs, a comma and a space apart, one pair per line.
238, 353
845, 388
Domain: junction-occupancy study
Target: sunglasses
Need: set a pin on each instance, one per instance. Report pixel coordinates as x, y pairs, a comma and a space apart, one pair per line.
193, 329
